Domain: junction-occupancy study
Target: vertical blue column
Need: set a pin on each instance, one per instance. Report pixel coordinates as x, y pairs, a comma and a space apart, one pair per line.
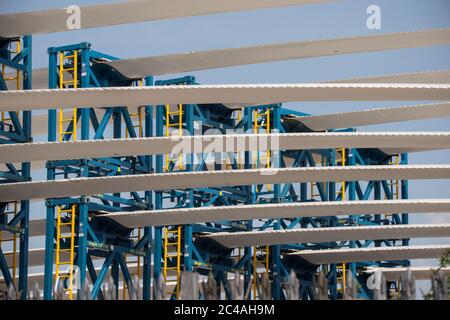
115, 275
276, 250
331, 161
26, 173
117, 134
84, 77
405, 195
247, 165
83, 210
146, 292
352, 197
188, 243
157, 243
377, 196
303, 185
50, 216
82, 241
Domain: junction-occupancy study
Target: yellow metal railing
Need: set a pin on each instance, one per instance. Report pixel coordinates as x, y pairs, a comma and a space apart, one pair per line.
71, 84
264, 251
175, 234
62, 235
138, 125
179, 126
341, 191
262, 121
14, 238
342, 269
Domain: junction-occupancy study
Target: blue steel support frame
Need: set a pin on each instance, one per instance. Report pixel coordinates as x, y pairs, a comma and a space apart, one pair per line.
192, 258
87, 240
19, 132
327, 192
354, 191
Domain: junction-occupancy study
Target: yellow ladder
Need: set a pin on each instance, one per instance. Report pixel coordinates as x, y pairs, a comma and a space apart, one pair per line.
15, 78
60, 252
342, 268
265, 125
262, 251
14, 252
68, 84
343, 153
179, 125
138, 125
176, 234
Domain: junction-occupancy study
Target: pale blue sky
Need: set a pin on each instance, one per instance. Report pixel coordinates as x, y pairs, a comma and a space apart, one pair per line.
321, 21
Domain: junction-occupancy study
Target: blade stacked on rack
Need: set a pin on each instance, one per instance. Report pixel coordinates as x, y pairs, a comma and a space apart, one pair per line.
102, 15
197, 179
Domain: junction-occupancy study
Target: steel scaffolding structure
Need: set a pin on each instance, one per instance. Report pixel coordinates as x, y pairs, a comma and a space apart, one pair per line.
204, 257
78, 235
15, 127
94, 239
75, 239
85, 243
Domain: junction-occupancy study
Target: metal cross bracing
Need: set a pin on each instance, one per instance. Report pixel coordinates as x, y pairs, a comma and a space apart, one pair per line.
194, 256
133, 259
345, 190
181, 119
15, 127
78, 65
74, 66
10, 239
352, 190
